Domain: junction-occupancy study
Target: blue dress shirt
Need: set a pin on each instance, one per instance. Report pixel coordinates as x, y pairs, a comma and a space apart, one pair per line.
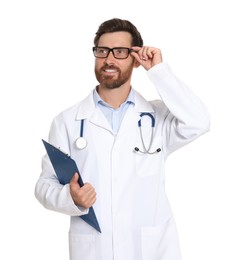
114, 116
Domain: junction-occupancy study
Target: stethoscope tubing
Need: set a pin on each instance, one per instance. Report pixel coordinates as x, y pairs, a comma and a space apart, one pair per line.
147, 150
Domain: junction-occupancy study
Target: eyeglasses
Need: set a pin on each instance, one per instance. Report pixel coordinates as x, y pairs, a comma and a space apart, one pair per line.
118, 52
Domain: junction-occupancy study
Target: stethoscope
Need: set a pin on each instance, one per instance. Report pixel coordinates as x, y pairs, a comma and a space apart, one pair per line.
81, 142
147, 149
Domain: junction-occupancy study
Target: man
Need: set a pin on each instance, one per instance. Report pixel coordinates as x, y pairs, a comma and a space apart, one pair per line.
122, 165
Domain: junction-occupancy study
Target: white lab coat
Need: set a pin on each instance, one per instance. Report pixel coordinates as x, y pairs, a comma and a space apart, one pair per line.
131, 207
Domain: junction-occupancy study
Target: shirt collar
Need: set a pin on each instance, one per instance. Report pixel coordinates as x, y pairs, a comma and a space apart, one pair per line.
98, 100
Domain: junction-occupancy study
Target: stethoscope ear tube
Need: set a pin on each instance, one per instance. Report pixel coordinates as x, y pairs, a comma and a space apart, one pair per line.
136, 149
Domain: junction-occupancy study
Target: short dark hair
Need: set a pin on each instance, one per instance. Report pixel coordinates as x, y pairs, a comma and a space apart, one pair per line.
118, 25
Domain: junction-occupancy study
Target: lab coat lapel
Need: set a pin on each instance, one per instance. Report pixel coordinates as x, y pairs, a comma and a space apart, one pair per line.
88, 110
99, 119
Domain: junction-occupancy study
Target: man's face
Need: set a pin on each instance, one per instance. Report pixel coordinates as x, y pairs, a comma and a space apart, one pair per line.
111, 72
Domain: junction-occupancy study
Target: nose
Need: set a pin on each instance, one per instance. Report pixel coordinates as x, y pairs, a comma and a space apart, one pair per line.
110, 59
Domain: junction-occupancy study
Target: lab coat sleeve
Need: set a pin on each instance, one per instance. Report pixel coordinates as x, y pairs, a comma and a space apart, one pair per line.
48, 191
185, 117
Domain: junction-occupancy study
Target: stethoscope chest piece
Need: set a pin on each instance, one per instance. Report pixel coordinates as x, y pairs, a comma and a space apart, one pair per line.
81, 143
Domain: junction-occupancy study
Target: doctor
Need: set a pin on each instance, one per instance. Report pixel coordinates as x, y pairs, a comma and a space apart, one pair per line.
120, 142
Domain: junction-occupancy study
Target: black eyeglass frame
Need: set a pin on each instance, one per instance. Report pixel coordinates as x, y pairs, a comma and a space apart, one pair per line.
112, 50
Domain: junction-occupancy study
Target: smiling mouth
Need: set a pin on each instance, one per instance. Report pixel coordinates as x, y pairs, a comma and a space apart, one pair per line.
110, 70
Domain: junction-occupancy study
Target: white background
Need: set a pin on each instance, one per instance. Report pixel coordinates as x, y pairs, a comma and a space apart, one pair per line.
46, 65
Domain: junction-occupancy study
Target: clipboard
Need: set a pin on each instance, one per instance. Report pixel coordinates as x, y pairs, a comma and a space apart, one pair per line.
65, 168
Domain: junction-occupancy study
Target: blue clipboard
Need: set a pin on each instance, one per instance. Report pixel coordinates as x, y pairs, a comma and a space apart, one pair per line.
65, 168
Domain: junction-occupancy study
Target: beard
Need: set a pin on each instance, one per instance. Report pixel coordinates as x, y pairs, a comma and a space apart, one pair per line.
112, 81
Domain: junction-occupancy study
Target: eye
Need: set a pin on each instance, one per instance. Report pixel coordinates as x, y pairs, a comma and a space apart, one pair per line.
102, 51
121, 51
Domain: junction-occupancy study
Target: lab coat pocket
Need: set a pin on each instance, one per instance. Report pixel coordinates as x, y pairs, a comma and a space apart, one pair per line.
151, 162
81, 247
161, 242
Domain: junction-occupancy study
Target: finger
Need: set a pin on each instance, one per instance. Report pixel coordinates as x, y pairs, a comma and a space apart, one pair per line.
89, 196
87, 187
74, 178
138, 53
88, 203
145, 52
136, 48
136, 56
93, 200
88, 190
149, 52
